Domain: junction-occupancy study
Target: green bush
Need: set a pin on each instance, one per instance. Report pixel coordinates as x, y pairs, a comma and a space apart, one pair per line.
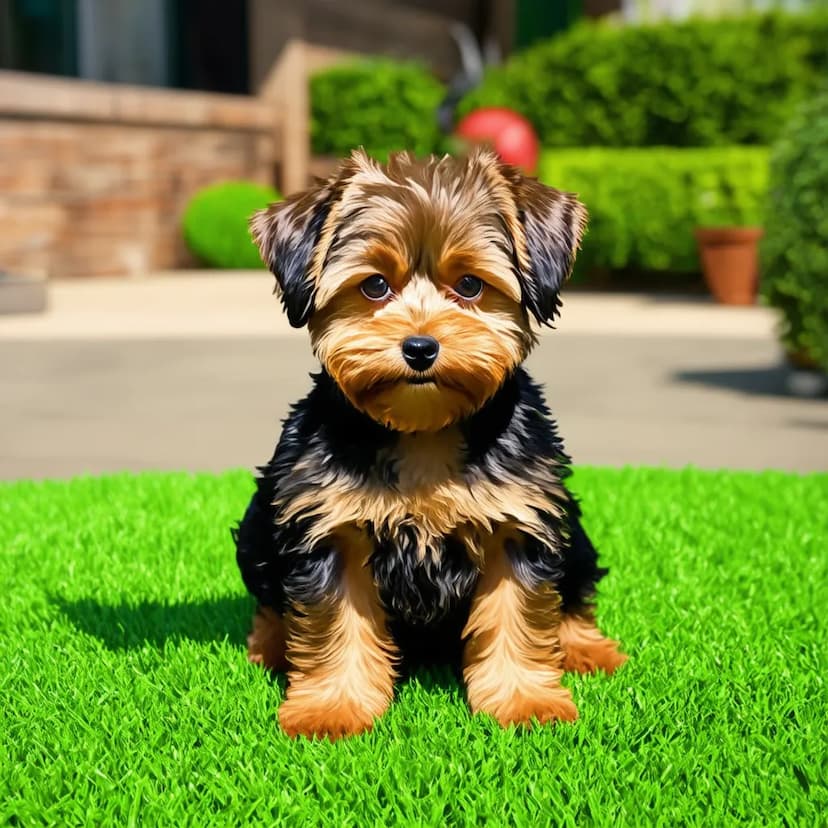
215, 223
645, 203
794, 252
697, 83
380, 104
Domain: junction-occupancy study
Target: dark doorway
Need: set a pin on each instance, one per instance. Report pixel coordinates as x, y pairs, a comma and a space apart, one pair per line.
39, 36
208, 45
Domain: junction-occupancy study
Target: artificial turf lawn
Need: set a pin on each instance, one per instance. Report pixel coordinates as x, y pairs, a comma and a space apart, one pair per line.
127, 697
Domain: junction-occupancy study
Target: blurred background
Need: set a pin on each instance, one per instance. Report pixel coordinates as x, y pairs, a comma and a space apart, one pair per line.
137, 327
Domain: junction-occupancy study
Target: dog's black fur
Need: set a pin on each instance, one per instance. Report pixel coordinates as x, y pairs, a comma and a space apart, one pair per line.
428, 598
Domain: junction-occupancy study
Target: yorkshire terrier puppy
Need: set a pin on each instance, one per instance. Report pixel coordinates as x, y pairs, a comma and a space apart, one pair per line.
415, 507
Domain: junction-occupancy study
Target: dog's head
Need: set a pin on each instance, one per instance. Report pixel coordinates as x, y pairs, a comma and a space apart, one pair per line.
419, 280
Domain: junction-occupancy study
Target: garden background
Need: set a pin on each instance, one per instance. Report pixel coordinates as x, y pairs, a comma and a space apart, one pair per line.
144, 366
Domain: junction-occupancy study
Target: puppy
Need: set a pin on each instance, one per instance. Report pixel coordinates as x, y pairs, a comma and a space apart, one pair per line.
415, 507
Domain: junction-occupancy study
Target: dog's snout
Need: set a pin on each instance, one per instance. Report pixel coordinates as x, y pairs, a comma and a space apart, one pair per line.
420, 351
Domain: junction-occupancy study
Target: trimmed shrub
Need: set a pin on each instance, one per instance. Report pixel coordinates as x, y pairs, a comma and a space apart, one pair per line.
645, 203
380, 104
215, 223
794, 252
697, 83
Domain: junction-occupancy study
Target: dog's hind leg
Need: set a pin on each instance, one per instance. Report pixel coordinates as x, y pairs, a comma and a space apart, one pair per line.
257, 557
585, 648
266, 642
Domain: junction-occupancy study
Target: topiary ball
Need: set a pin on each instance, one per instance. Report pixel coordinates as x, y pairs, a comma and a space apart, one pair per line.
794, 252
215, 223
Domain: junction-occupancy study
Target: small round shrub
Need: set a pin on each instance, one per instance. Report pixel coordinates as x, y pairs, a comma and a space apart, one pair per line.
380, 104
215, 223
794, 252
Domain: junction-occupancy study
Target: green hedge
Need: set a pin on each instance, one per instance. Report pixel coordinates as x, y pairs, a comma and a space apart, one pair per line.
698, 83
645, 203
794, 252
215, 223
380, 104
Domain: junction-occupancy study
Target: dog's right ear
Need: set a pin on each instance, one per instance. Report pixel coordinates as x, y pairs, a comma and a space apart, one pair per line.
287, 234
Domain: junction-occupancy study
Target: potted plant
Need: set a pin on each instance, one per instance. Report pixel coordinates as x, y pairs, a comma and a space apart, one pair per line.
728, 230
794, 253
730, 262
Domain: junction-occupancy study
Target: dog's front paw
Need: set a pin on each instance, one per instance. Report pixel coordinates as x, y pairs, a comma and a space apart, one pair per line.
331, 721
522, 708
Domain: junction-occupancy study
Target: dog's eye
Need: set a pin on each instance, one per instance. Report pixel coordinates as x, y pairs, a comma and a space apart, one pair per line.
469, 287
375, 287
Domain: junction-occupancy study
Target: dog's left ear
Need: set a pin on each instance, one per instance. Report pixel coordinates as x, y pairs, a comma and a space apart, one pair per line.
552, 224
287, 234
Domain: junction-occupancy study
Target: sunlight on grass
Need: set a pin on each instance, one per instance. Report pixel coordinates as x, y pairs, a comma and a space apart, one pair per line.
126, 695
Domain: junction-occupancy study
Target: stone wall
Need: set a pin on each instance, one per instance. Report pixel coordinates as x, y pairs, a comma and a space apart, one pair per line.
94, 177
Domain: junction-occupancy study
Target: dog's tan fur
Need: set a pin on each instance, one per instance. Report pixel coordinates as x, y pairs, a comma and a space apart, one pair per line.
422, 226
341, 657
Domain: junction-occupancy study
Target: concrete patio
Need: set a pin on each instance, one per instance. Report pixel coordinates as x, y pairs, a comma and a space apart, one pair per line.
195, 370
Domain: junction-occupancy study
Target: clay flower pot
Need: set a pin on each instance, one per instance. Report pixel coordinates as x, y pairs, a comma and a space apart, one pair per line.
730, 261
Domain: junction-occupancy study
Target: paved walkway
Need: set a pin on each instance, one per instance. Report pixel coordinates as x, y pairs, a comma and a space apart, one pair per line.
195, 371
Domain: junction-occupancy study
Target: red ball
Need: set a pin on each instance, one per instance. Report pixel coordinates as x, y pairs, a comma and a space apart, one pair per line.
511, 136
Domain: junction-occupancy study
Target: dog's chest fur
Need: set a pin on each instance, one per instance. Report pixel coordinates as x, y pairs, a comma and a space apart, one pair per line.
422, 568
429, 503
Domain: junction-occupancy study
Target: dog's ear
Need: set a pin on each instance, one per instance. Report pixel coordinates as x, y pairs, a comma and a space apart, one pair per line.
287, 234
552, 224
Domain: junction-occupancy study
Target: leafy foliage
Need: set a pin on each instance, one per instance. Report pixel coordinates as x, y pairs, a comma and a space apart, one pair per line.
794, 252
645, 203
215, 223
380, 104
697, 83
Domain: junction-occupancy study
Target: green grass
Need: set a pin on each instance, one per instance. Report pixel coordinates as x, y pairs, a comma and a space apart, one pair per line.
126, 698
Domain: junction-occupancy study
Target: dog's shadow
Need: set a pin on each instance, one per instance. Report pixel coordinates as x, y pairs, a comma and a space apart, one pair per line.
128, 626
131, 626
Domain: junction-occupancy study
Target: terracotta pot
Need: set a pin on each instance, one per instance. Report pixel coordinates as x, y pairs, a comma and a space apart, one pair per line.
730, 260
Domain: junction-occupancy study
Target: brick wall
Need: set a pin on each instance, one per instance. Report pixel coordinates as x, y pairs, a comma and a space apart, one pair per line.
94, 178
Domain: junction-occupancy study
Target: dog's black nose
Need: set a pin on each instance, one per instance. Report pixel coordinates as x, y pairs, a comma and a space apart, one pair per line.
420, 351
